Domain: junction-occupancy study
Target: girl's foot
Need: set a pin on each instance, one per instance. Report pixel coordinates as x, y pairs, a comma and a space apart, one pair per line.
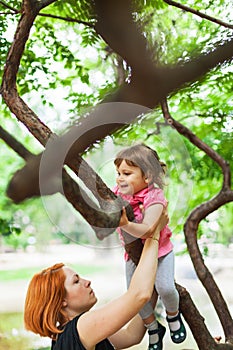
178, 335
160, 331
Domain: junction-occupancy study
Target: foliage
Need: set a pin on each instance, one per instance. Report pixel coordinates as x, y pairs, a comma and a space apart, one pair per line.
65, 55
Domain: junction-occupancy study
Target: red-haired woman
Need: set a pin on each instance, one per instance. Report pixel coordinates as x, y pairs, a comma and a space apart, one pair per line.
59, 305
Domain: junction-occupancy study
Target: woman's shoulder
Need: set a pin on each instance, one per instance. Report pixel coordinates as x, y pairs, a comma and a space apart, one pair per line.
69, 338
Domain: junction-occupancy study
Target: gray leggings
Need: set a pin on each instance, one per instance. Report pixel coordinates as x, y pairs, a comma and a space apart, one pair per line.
164, 284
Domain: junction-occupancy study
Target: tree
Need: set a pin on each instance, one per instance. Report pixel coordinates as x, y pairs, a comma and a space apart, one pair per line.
146, 76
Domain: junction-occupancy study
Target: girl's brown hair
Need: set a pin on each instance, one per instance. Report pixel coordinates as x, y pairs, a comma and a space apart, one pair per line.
43, 311
146, 159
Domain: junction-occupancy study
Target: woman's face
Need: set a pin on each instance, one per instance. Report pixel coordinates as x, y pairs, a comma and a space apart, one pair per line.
130, 179
80, 297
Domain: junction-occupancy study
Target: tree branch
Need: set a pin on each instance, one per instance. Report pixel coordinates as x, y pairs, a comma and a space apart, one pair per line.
198, 214
45, 3
15, 145
10, 7
25, 183
195, 320
103, 222
37, 5
67, 19
200, 144
199, 13
116, 26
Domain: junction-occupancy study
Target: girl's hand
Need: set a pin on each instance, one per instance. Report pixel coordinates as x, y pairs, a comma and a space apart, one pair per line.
124, 219
218, 339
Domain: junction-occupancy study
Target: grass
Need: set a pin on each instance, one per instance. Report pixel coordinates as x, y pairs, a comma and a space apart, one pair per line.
10, 321
27, 273
11, 325
19, 274
13, 335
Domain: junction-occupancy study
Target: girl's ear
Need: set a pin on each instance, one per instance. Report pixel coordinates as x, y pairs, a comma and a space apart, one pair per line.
148, 178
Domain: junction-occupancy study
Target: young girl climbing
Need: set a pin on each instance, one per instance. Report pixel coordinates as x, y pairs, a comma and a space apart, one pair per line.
139, 181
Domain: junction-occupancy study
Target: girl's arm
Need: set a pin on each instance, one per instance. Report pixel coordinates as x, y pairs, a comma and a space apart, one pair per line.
148, 225
96, 325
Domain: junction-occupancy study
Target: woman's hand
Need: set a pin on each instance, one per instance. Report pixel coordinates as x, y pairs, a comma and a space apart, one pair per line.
124, 219
163, 221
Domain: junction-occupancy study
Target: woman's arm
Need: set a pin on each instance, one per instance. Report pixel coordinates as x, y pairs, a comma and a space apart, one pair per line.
129, 335
133, 332
96, 325
147, 227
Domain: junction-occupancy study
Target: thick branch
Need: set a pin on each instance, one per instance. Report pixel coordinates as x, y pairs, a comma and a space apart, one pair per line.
195, 321
116, 26
44, 3
30, 181
149, 83
103, 222
190, 230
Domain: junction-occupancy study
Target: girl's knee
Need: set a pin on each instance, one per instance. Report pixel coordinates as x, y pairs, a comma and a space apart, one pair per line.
168, 293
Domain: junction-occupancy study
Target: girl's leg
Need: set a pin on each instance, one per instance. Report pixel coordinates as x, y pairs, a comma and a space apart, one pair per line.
165, 283
165, 286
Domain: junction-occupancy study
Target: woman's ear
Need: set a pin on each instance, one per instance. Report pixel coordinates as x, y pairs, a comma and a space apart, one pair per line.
64, 303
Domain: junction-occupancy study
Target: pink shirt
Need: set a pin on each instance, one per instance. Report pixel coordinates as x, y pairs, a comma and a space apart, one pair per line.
146, 197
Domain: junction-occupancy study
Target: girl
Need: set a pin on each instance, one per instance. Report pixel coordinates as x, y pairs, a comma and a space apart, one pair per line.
140, 182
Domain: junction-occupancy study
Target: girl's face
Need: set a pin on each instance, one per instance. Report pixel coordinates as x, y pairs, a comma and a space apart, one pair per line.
130, 179
80, 297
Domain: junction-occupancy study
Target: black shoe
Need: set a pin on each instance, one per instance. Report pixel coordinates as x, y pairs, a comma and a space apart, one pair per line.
180, 335
160, 331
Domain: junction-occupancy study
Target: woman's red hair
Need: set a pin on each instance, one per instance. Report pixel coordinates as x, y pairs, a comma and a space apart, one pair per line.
43, 312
